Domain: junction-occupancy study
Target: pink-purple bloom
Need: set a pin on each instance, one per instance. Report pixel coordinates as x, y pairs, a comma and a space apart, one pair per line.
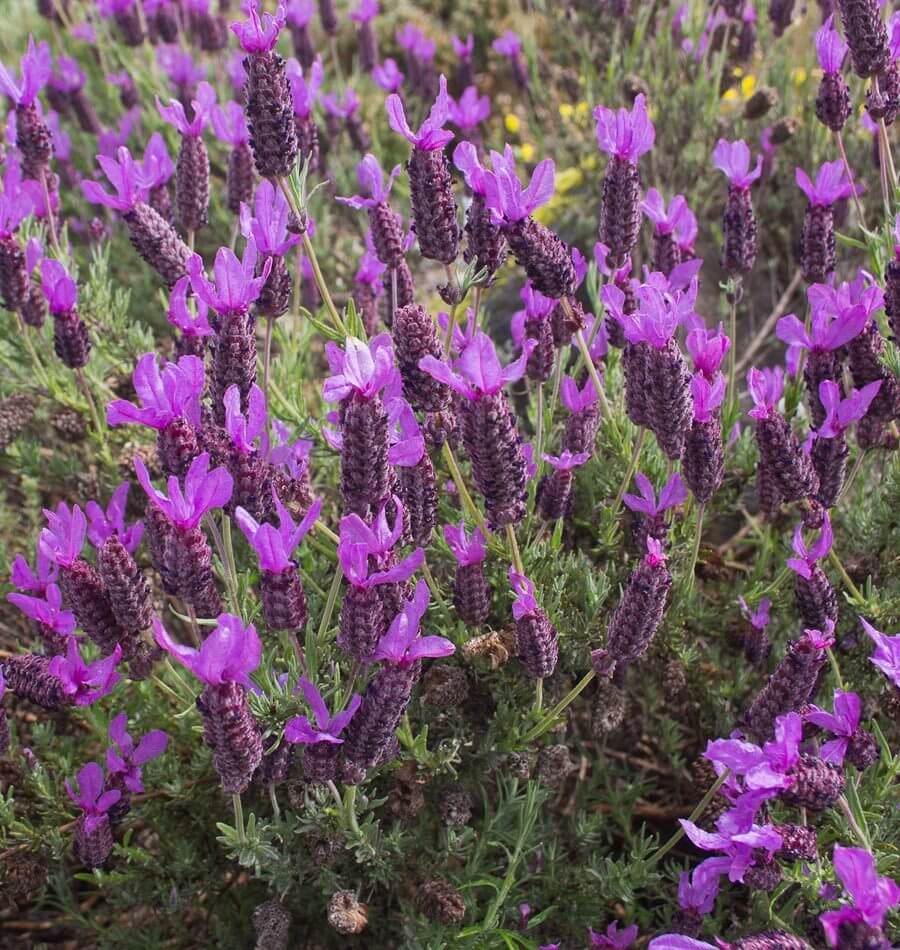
203, 491
372, 181
85, 683
46, 610
807, 557
228, 655
431, 134
665, 220
463, 48
470, 109
304, 86
63, 538
175, 115
566, 461
708, 396
388, 75
843, 723
871, 895
829, 330
125, 758
275, 546
759, 618
22, 576
268, 226
259, 34
126, 177
673, 493
505, 194
477, 371
625, 134
887, 652
229, 123
327, 728
830, 47
840, 413
467, 549
165, 395
707, 348
508, 44
104, 523
234, 287
59, 288
364, 11
403, 644
766, 387
157, 166
575, 399
90, 797
359, 368
613, 937
733, 158
191, 322
831, 184
36, 66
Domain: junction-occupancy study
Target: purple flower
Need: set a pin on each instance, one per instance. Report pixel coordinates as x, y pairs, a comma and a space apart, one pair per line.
566, 461
165, 395
829, 331
469, 549
707, 396
613, 938
228, 655
872, 896
328, 728
431, 134
175, 115
738, 837
203, 491
15, 202
402, 645
679, 941
90, 798
244, 430
59, 288
274, 546
407, 441
110, 141
22, 576
766, 387
103, 524
830, 186
358, 368
178, 64
229, 123
269, 225
807, 558
49, 612
697, 890
259, 35
341, 108
470, 109
834, 301
707, 349
505, 194
575, 399
62, 540
759, 618
126, 177
673, 493
157, 167
183, 317
509, 44
463, 49
887, 652
235, 287
733, 158
85, 683
125, 759
67, 75
365, 11
843, 723
356, 547
300, 12
479, 180
371, 180
625, 134
665, 220
36, 65
477, 371
387, 74
830, 47
304, 89
840, 414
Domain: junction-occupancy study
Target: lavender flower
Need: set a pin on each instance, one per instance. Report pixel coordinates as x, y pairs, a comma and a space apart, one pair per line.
872, 896
624, 136
613, 937
387, 235
488, 426
54, 625
509, 45
299, 13
321, 741
469, 111
224, 663
756, 640
887, 652
738, 223
191, 320
851, 742
125, 761
157, 169
388, 75
703, 461
471, 593
15, 205
463, 50
28, 676
304, 90
866, 35
485, 243
833, 97
817, 242
536, 638
70, 336
667, 222
33, 138
554, 494
93, 833
652, 512
584, 415
230, 126
816, 598
84, 683
363, 14
431, 186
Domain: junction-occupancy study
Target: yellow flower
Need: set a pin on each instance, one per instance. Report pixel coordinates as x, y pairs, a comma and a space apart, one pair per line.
589, 162
582, 112
512, 123
738, 72
730, 95
567, 179
748, 84
526, 151
566, 111
799, 76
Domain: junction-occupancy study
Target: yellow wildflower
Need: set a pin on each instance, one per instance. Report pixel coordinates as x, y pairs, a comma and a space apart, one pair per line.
566, 111
526, 151
799, 76
748, 84
512, 123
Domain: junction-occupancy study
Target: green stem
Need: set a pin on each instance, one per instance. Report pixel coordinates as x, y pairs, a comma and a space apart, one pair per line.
847, 811
273, 798
849, 174
460, 483
267, 357
325, 294
514, 549
350, 808
845, 577
689, 580
433, 585
552, 716
538, 695
632, 468
592, 370
230, 562
694, 815
832, 659
238, 816
329, 604
92, 406
539, 438
732, 350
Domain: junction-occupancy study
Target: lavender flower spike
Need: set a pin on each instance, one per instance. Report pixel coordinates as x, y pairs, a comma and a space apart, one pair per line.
739, 223
387, 235
224, 663
817, 242
84, 683
537, 643
321, 740
703, 461
124, 759
887, 652
230, 126
652, 511
93, 834
871, 897
554, 494
234, 287
70, 336
833, 105
816, 598
852, 743
471, 593
485, 242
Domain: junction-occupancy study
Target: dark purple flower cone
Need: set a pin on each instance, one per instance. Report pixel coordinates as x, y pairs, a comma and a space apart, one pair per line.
821, 365
239, 177
817, 244
328, 17
70, 339
34, 141
790, 686
554, 494
862, 750
485, 242
581, 430
159, 532
791, 470
365, 474
275, 764
780, 14
417, 487
283, 600
362, 622
865, 352
433, 205
636, 367
498, 466
665, 253
85, 112
177, 447
359, 136
84, 592
192, 184
93, 840
866, 35
156, 241
321, 763
234, 362
620, 213
126, 586
34, 307
415, 337
767, 491
15, 285
308, 141
160, 200
367, 46
295, 492
28, 677
765, 875
231, 733
166, 23
128, 21
384, 701
270, 115
650, 526
543, 357
703, 460
471, 594
212, 33
441, 427
567, 318
189, 564
537, 645
756, 646
637, 617
892, 297
275, 298
366, 299
386, 235
771, 940
4, 734
833, 101
817, 784
544, 257
304, 49
739, 233
670, 405
406, 289
799, 843
829, 458
816, 599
